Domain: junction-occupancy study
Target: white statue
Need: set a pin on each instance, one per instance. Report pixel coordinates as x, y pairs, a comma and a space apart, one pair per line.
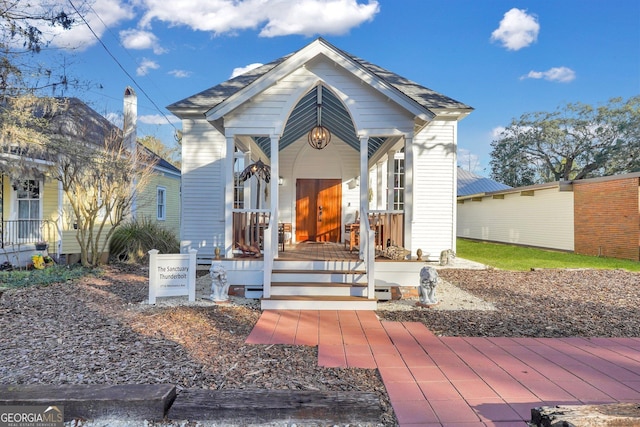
219, 283
428, 283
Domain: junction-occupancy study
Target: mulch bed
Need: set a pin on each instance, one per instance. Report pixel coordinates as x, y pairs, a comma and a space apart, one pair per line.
96, 331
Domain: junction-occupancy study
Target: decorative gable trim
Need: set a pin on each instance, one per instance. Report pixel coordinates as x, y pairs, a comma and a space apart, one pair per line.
300, 59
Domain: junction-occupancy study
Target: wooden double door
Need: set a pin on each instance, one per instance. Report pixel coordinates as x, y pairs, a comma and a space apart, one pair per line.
318, 210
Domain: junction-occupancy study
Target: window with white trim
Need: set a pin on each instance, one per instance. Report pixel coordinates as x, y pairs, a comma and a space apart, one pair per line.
238, 184
162, 203
28, 203
398, 181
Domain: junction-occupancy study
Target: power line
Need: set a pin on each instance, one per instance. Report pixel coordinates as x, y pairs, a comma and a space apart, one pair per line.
120, 65
119, 43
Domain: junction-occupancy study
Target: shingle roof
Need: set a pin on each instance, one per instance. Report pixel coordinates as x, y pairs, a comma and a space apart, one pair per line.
470, 183
211, 97
425, 97
78, 120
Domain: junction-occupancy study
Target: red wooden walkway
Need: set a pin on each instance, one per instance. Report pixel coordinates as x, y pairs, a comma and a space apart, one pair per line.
472, 382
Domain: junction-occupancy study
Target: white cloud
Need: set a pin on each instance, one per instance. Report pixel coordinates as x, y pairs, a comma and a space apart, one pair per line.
310, 17
241, 70
556, 74
115, 119
157, 119
468, 161
101, 15
140, 39
496, 132
145, 66
517, 30
272, 17
180, 74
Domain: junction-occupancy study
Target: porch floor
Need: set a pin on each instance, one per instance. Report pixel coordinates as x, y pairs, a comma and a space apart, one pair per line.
317, 251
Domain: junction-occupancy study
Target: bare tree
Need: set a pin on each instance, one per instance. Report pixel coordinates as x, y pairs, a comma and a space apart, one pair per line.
100, 183
65, 140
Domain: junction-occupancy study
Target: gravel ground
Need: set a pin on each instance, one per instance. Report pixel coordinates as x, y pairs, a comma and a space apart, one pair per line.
541, 303
100, 331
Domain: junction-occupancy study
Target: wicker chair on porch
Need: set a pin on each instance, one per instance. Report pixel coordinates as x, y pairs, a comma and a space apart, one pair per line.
284, 234
352, 235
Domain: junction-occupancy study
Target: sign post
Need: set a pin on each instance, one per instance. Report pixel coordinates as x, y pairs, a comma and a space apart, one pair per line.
172, 275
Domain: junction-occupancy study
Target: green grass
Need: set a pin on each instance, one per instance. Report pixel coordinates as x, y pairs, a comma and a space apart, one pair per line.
508, 257
54, 274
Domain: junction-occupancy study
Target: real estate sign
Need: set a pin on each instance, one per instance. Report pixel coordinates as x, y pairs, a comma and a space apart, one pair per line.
172, 275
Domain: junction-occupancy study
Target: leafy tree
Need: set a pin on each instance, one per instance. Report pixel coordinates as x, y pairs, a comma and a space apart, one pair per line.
576, 141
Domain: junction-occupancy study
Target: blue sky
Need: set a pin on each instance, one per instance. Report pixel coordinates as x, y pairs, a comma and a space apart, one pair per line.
503, 58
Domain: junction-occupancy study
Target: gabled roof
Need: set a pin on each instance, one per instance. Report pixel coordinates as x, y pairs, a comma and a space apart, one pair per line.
470, 183
212, 97
81, 121
78, 120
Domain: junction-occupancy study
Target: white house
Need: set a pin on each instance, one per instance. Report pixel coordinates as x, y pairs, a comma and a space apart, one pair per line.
389, 166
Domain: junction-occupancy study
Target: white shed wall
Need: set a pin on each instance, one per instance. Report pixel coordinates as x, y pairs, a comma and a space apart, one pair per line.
434, 189
544, 220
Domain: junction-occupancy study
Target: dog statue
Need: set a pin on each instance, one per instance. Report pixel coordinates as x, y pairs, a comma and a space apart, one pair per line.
428, 283
219, 283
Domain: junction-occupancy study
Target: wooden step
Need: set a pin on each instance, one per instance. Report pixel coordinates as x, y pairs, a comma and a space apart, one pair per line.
326, 271
318, 289
319, 276
302, 302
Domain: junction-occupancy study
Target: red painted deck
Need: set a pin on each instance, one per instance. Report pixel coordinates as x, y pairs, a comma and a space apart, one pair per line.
472, 382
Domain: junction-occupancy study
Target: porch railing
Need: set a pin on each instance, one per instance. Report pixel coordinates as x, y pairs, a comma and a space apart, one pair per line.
388, 226
249, 226
27, 231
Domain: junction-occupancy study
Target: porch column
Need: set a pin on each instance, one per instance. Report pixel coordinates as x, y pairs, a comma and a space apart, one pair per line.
391, 166
408, 190
380, 195
274, 191
227, 251
364, 188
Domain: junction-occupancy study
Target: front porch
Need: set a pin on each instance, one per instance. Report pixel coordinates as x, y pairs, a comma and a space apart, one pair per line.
319, 276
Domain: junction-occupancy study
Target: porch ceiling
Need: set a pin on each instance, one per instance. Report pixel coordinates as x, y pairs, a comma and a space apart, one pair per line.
334, 116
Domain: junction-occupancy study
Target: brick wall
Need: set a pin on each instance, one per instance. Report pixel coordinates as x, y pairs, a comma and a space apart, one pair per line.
607, 218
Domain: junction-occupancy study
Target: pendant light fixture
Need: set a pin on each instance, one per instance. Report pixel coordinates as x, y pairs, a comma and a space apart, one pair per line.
319, 136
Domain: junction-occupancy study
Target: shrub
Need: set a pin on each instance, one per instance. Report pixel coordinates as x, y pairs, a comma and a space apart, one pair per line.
132, 241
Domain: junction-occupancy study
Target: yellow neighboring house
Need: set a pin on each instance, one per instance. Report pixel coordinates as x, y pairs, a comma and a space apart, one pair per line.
34, 210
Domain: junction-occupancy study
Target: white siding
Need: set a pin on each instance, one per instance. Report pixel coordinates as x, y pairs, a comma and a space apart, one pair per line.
543, 220
434, 189
203, 150
267, 113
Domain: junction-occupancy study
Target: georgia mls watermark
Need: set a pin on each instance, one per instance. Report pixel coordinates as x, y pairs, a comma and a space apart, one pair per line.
32, 416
